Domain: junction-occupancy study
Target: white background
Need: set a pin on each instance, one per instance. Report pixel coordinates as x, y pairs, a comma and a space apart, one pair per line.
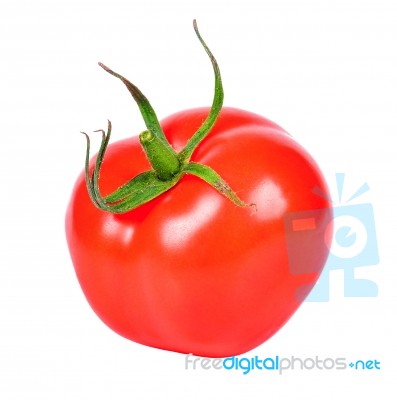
324, 70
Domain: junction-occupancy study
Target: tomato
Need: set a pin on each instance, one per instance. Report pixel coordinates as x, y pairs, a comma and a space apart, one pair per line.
190, 270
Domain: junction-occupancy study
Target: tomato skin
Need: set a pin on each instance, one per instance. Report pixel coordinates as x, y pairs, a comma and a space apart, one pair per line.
190, 271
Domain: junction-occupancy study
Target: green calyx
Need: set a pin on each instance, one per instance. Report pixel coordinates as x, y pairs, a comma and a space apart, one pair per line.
168, 167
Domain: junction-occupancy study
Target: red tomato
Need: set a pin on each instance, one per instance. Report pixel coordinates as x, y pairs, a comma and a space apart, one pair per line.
190, 271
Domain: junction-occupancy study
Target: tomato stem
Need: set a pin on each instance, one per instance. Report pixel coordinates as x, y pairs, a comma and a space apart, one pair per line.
168, 167
161, 157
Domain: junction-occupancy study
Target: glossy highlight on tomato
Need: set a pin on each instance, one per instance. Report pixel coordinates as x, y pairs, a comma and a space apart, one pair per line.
190, 270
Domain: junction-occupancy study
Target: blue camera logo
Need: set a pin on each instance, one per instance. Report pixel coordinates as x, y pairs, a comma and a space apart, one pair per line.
354, 244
